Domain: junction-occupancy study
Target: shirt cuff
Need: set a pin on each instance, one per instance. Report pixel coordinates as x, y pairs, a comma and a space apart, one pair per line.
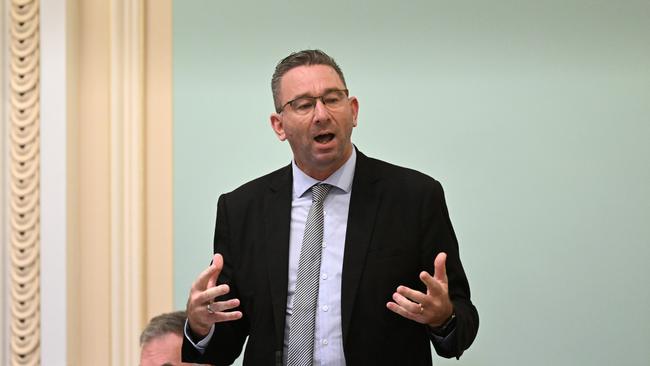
440, 338
203, 343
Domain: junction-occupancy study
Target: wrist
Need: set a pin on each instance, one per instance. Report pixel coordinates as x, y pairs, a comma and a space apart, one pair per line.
196, 333
446, 327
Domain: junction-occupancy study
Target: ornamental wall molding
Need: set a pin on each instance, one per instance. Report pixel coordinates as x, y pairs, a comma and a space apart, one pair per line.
4, 190
24, 181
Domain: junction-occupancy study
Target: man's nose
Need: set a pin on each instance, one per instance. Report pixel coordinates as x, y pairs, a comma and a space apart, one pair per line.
321, 113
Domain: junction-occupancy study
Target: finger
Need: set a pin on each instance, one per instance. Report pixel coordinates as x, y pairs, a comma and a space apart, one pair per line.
433, 286
224, 305
210, 294
218, 312
201, 282
407, 304
396, 308
217, 262
226, 316
440, 266
413, 295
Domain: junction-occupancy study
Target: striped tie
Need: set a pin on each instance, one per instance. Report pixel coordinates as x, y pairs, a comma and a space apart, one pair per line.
305, 300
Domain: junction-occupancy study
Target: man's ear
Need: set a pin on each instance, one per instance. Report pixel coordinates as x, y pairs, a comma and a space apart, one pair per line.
277, 126
354, 104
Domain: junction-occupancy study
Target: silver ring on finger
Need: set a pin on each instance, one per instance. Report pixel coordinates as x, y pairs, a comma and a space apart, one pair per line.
421, 309
210, 308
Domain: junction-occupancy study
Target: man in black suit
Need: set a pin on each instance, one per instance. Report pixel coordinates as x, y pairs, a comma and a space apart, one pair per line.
383, 230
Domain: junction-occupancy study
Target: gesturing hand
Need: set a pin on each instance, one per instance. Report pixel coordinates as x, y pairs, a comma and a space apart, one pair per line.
432, 308
202, 310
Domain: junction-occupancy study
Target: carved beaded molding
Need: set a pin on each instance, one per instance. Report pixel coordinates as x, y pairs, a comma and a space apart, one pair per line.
24, 180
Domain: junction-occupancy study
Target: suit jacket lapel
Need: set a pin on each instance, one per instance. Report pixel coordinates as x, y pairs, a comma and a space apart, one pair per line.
277, 214
361, 220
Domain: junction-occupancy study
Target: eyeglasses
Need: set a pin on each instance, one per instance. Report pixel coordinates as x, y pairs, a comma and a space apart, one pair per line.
332, 100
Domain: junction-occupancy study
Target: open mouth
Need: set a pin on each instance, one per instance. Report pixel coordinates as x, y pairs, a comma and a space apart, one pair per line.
324, 138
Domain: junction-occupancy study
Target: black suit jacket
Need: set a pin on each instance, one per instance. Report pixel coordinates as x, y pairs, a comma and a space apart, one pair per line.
397, 223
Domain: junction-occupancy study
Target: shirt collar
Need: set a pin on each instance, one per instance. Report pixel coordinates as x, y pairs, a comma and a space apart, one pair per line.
341, 178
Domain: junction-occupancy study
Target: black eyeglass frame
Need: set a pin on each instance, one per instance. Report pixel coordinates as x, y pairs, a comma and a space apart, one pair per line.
345, 91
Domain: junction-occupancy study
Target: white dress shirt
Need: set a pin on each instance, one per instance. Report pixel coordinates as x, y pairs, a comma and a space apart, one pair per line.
328, 349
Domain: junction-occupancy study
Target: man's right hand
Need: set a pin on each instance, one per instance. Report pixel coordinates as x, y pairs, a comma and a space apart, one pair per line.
202, 294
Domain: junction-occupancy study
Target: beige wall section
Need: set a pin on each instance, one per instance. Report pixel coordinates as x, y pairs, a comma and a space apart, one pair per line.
158, 157
90, 293
120, 217
73, 193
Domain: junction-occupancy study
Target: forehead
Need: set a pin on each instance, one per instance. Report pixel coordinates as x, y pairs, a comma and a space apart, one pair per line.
312, 79
162, 349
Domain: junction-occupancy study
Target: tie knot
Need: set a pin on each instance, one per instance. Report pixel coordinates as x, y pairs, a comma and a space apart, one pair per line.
319, 191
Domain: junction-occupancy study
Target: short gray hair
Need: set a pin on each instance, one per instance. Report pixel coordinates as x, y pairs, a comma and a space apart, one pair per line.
300, 58
162, 324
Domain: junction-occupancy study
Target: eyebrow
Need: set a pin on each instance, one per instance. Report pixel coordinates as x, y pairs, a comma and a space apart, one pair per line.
311, 96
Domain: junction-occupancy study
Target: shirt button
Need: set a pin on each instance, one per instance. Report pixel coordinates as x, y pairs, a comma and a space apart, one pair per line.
324, 276
324, 245
325, 307
325, 342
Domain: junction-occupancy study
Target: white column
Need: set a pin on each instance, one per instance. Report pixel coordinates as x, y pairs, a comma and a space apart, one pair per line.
53, 183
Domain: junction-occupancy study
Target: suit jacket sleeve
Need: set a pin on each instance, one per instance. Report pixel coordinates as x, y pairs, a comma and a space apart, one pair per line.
439, 237
228, 337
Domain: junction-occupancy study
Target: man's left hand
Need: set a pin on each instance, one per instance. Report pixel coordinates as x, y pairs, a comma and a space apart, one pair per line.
432, 308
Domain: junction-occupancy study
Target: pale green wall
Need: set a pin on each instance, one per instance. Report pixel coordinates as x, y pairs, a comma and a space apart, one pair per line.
534, 115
